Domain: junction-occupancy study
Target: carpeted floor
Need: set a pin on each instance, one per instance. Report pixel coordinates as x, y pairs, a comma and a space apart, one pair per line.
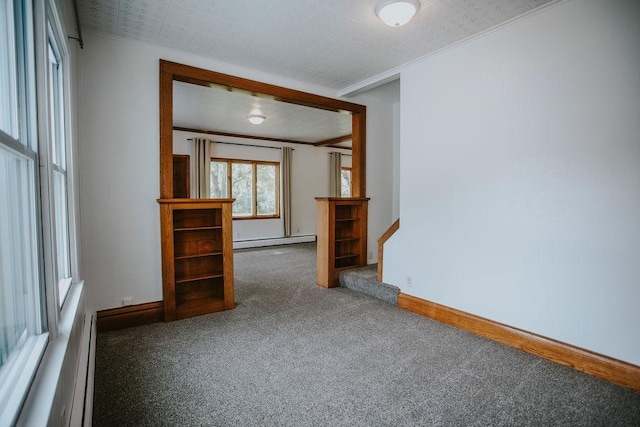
295, 354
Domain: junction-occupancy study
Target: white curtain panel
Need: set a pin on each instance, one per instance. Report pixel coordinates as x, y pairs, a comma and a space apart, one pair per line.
202, 172
335, 174
287, 153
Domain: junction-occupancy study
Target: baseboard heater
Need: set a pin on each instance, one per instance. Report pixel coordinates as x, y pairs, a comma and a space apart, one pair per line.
273, 241
82, 408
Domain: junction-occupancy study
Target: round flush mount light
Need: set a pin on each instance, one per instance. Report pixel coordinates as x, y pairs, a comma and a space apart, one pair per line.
396, 13
256, 119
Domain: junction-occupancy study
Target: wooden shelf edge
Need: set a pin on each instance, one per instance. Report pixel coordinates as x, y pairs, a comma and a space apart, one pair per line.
194, 201
205, 228
347, 239
198, 255
346, 256
199, 307
598, 365
199, 277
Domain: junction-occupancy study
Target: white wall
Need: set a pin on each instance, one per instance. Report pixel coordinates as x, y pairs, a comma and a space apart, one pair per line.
119, 166
520, 182
380, 141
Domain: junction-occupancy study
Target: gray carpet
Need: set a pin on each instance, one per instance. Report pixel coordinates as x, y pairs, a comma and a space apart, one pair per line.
295, 354
365, 280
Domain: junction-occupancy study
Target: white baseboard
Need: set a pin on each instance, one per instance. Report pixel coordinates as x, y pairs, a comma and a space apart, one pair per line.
82, 408
258, 243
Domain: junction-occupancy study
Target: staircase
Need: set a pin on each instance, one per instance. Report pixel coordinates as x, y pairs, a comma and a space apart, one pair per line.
365, 280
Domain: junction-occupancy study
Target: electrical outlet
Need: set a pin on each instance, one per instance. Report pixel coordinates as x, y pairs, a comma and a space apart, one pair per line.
237, 235
370, 255
127, 301
297, 231
409, 281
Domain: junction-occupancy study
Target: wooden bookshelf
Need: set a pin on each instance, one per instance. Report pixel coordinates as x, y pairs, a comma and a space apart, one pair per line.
342, 237
197, 256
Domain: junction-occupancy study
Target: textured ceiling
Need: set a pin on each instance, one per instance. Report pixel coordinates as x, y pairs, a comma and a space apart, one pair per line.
222, 110
330, 43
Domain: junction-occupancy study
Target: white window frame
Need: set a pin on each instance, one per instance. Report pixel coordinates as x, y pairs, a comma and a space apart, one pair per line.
58, 115
49, 26
24, 360
39, 20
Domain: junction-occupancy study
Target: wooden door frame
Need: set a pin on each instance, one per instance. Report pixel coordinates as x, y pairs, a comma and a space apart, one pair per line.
171, 71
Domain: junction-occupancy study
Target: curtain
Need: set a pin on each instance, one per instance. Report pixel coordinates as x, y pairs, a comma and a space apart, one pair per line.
287, 153
335, 174
202, 169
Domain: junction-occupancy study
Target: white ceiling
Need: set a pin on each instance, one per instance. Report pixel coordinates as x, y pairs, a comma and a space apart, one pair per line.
223, 110
337, 44
329, 43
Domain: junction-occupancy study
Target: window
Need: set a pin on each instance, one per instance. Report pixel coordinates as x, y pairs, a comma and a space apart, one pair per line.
35, 219
8, 77
255, 185
22, 307
345, 182
58, 164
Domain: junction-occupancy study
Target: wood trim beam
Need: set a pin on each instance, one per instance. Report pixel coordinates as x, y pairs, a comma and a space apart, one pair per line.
359, 153
166, 133
238, 135
598, 365
387, 234
128, 316
170, 71
333, 141
202, 77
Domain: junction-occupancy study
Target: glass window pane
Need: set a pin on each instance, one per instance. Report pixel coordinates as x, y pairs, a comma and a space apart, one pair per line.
266, 189
219, 180
20, 312
345, 183
56, 106
62, 225
8, 81
242, 188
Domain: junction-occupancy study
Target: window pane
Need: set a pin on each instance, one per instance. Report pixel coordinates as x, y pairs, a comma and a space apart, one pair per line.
62, 225
241, 188
266, 189
219, 180
20, 313
345, 183
56, 106
8, 81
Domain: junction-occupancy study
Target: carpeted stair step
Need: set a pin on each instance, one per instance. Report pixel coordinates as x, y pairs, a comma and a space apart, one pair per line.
365, 280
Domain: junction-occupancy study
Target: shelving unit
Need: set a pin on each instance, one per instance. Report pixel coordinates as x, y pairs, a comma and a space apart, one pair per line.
197, 256
342, 237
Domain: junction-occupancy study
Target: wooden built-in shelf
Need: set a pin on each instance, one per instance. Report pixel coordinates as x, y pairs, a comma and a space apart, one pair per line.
197, 256
342, 237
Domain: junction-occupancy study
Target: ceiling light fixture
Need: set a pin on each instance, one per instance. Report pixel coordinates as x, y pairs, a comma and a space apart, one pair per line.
256, 119
396, 13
